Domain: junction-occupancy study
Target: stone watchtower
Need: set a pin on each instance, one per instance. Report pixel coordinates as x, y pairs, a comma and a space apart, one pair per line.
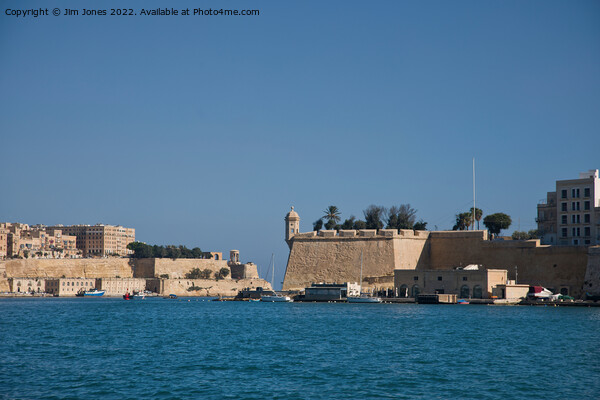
292, 226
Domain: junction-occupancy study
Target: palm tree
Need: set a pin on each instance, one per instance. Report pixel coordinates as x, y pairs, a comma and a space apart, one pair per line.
332, 215
478, 215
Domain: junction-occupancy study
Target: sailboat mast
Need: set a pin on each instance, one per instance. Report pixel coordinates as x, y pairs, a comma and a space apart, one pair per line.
361, 267
273, 273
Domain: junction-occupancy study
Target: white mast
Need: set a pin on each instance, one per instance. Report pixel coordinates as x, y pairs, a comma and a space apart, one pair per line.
273, 273
361, 267
474, 209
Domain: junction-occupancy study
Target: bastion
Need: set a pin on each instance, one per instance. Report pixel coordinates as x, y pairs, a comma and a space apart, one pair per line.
335, 256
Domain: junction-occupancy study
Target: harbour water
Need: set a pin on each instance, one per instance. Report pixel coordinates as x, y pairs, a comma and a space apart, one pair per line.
155, 348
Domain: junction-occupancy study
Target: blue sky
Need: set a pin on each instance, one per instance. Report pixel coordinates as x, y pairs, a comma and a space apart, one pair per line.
203, 131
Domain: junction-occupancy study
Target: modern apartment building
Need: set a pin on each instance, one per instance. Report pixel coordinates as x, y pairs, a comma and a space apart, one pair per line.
571, 214
100, 240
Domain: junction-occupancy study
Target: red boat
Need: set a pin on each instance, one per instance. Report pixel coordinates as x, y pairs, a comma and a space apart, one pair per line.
127, 296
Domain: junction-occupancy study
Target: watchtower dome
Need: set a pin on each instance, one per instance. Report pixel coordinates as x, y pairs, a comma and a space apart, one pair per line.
292, 225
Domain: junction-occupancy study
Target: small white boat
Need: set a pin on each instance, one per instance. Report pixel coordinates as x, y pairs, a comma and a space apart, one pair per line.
276, 299
139, 296
364, 298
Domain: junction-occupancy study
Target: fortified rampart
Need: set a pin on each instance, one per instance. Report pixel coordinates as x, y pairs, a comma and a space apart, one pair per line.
152, 269
175, 269
330, 256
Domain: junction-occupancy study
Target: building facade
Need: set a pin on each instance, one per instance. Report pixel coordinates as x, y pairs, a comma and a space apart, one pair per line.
571, 214
465, 283
100, 240
21, 240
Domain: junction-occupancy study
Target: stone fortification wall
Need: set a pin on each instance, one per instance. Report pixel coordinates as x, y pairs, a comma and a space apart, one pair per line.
335, 257
243, 271
69, 268
591, 282
331, 256
549, 266
224, 287
176, 269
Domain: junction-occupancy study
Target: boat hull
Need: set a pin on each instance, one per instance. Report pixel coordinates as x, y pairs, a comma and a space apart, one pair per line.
94, 294
364, 300
276, 299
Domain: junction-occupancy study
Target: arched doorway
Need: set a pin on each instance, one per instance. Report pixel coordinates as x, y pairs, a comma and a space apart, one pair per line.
465, 292
477, 292
415, 290
403, 291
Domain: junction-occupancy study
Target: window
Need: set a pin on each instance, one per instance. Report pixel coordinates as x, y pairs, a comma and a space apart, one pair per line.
416, 278
564, 219
586, 205
439, 278
575, 193
575, 242
464, 278
586, 218
586, 192
563, 207
564, 232
573, 218
563, 194
576, 232
586, 231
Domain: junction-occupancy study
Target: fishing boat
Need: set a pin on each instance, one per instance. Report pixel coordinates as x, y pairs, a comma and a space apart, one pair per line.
363, 297
91, 292
139, 296
127, 296
275, 298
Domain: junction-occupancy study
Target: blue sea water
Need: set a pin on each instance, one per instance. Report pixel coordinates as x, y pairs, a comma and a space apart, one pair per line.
179, 349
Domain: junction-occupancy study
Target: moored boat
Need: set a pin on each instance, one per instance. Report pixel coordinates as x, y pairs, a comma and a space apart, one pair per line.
276, 299
363, 297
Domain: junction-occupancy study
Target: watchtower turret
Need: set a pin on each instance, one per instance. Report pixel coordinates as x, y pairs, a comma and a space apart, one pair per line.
292, 225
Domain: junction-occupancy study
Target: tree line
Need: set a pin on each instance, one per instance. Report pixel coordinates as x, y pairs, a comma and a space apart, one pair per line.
375, 217
143, 250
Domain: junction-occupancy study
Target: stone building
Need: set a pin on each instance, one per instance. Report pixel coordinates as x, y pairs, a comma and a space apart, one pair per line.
100, 240
21, 240
571, 214
465, 283
120, 286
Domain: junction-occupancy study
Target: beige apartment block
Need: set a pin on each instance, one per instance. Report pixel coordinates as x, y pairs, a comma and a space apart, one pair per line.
100, 240
571, 214
21, 240
465, 283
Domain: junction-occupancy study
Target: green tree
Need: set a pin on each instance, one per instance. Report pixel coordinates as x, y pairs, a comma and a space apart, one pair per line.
374, 215
205, 273
222, 273
522, 235
332, 215
360, 224
318, 225
349, 223
420, 226
496, 222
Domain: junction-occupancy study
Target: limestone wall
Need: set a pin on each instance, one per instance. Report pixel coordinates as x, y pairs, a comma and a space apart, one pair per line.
69, 268
549, 266
155, 267
224, 287
327, 257
591, 283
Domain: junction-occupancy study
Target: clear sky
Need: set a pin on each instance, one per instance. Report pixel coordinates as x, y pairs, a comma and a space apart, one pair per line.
204, 130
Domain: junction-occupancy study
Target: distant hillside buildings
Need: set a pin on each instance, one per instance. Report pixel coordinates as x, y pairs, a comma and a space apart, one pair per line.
571, 214
39, 241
